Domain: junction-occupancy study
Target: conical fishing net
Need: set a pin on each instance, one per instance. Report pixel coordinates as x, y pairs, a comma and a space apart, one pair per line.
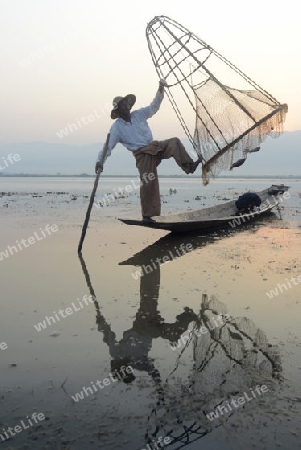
224, 114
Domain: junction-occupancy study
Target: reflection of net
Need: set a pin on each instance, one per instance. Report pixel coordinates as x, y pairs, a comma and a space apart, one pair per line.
228, 360
228, 122
233, 357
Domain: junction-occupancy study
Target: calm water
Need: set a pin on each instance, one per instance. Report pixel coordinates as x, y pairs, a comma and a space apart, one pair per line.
37, 184
178, 194
198, 332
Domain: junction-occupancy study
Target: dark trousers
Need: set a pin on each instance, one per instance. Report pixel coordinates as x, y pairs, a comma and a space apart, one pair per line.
147, 160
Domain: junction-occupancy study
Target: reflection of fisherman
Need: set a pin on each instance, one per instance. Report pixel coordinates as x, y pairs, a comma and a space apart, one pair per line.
134, 347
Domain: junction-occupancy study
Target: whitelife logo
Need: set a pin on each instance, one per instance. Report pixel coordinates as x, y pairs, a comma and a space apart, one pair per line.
101, 384
274, 292
161, 442
221, 409
9, 160
24, 424
11, 250
222, 318
154, 264
84, 120
50, 320
266, 204
48, 49
3, 345
109, 198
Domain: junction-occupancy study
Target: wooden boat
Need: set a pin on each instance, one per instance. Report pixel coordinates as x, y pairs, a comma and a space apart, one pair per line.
220, 216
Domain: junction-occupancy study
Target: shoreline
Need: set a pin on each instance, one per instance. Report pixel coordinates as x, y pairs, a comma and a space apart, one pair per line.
85, 175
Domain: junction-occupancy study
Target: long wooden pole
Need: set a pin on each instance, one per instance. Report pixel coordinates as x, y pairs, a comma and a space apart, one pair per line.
85, 226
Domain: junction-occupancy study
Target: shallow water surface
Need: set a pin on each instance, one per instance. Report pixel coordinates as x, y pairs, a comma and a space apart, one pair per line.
119, 350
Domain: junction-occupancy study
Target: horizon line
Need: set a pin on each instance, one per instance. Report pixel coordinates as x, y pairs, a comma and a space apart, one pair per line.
86, 175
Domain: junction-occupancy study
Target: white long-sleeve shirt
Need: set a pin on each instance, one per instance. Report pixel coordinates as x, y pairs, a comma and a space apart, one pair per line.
137, 133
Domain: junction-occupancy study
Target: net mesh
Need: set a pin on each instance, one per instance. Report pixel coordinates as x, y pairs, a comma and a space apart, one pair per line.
232, 357
224, 132
236, 355
222, 122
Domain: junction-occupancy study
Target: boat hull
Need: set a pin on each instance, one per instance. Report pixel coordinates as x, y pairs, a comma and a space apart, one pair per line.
219, 216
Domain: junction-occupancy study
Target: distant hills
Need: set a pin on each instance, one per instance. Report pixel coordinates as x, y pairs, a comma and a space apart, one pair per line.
280, 156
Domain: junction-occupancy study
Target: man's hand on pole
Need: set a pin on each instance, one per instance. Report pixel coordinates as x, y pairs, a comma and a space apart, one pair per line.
98, 166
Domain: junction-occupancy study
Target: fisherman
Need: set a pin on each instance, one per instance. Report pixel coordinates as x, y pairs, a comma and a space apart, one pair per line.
133, 131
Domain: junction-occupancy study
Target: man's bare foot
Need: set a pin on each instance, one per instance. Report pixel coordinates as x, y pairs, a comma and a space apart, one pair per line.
147, 219
195, 164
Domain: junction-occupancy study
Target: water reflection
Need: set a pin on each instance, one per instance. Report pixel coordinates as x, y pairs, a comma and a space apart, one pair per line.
134, 347
230, 356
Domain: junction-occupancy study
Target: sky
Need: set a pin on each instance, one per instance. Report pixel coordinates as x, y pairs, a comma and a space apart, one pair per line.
66, 59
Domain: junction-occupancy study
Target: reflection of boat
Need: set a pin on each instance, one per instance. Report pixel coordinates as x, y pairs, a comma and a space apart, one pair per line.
223, 215
167, 244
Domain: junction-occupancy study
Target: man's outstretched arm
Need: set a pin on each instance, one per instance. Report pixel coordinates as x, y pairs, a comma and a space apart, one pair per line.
150, 110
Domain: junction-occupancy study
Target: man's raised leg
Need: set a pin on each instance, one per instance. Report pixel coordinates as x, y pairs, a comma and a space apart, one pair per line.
173, 148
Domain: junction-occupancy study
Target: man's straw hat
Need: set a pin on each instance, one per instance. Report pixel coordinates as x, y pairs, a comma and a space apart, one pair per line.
130, 98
